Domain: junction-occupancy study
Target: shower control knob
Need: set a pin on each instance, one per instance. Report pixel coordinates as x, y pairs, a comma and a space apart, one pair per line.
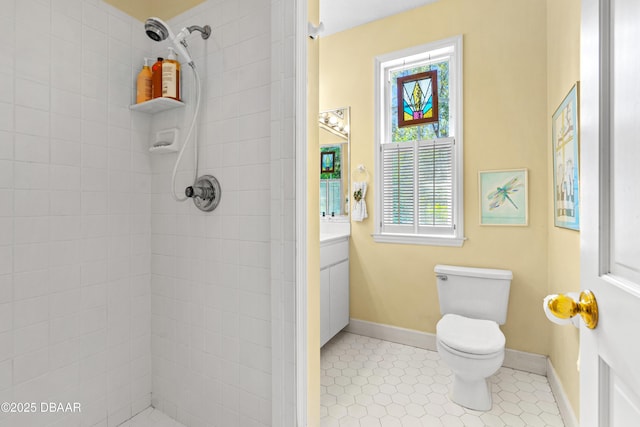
205, 193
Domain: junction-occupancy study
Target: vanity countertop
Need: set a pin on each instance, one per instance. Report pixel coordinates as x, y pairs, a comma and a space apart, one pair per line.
334, 236
331, 231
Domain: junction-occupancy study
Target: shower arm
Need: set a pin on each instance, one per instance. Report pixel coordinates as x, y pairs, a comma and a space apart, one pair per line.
205, 31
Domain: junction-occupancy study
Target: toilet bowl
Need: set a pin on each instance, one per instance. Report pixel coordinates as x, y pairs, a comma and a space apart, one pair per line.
474, 350
473, 302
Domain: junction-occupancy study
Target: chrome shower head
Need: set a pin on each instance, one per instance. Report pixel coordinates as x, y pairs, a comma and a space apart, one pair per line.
156, 29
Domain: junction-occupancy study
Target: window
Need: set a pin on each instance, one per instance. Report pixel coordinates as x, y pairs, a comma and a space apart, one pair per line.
419, 148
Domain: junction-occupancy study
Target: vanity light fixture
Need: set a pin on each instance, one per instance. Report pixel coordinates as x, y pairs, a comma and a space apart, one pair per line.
334, 124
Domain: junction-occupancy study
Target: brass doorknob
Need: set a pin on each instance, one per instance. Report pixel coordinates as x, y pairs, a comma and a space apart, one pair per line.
565, 307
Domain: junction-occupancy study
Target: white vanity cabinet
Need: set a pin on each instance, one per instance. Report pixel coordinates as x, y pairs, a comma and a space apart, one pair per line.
334, 287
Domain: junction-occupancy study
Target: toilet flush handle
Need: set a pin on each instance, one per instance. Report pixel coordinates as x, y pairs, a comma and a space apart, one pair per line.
442, 277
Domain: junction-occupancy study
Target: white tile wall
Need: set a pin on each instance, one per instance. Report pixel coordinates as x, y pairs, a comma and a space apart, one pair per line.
211, 293
283, 214
75, 214
101, 273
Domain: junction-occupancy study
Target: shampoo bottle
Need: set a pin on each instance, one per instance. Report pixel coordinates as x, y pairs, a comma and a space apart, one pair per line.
171, 76
156, 78
143, 89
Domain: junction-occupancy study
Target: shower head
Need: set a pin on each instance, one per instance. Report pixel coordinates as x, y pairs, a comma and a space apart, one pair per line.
158, 30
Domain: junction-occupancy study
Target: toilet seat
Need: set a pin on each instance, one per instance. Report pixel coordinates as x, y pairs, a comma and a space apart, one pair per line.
470, 336
469, 356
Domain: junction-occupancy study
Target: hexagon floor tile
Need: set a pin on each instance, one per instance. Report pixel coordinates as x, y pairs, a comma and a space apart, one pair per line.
367, 382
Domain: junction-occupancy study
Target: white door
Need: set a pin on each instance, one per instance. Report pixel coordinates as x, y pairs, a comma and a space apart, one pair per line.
610, 229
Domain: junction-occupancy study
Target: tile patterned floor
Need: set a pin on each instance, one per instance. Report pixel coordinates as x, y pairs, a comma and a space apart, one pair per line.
367, 382
151, 417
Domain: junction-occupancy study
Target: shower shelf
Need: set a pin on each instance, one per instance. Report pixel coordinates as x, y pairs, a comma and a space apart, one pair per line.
157, 105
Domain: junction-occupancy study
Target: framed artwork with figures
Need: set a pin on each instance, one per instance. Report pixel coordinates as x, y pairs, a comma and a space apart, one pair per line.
566, 176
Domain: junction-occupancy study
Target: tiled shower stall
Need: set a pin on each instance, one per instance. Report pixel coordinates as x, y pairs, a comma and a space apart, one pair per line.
111, 293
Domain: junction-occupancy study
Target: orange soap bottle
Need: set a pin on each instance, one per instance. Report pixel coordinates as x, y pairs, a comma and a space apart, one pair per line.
171, 76
156, 78
143, 89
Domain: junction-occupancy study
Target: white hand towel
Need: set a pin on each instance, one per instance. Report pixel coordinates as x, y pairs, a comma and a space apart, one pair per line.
359, 211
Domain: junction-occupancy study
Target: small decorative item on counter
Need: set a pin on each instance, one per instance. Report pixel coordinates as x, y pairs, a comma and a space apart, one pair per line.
156, 78
143, 89
171, 76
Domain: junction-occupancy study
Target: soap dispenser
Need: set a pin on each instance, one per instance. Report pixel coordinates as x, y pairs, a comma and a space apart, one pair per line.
171, 76
143, 86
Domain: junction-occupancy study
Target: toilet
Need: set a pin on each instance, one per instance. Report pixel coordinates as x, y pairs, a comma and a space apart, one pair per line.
473, 302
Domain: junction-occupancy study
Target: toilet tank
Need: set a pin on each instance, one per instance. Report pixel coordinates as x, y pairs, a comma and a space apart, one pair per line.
479, 293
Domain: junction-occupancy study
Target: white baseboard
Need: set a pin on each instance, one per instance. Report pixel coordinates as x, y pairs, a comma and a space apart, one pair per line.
392, 333
523, 361
566, 410
528, 362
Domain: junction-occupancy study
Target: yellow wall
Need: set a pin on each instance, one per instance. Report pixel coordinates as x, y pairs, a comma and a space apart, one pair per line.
563, 246
163, 9
505, 127
313, 226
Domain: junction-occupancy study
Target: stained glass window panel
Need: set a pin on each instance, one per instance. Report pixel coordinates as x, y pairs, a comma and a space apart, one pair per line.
424, 131
418, 96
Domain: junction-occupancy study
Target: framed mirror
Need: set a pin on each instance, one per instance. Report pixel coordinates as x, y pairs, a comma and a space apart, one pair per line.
334, 164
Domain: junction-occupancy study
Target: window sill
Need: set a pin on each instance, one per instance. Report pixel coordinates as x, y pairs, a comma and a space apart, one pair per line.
412, 239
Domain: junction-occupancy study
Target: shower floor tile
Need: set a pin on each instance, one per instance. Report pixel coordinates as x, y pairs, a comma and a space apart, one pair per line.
367, 382
151, 417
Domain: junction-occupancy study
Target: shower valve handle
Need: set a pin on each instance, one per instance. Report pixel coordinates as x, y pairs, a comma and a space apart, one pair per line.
205, 193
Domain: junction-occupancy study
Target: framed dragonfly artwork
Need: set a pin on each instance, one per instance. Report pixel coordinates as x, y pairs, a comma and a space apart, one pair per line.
503, 197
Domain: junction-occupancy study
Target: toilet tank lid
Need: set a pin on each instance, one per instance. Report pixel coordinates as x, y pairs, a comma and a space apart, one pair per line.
488, 273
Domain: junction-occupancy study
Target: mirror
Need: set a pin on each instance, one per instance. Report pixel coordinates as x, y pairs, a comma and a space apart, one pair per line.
334, 163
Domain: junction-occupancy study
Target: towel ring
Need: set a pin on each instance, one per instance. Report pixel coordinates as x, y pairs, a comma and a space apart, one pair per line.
360, 169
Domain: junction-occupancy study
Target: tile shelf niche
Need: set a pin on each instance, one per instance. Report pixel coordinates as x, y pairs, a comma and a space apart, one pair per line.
157, 105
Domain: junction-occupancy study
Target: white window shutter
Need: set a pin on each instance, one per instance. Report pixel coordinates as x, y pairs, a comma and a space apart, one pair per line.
435, 184
418, 187
398, 207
